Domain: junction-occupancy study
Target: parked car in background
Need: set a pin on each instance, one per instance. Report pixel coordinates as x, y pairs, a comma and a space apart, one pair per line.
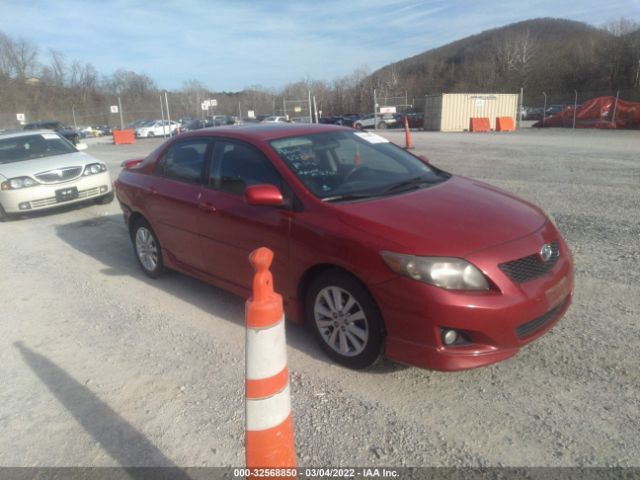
385, 120
275, 119
40, 169
378, 251
157, 128
134, 125
67, 132
220, 120
553, 109
90, 131
190, 125
414, 120
534, 113
104, 129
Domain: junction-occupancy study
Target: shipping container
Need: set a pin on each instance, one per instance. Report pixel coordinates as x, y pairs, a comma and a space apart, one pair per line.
452, 112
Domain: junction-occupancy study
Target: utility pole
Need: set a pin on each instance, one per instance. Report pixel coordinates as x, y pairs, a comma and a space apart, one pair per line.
375, 110
166, 101
162, 114
121, 117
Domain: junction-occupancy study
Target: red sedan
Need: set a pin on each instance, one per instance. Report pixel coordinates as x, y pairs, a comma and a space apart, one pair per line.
378, 251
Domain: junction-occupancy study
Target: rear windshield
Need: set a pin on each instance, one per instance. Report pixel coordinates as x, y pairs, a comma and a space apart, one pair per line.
345, 165
28, 147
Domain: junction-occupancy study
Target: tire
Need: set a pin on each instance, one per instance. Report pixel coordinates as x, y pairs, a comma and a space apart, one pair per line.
345, 319
151, 135
358, 125
106, 199
382, 125
147, 249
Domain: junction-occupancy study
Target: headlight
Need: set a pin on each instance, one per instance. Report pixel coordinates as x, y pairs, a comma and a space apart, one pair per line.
94, 168
445, 272
18, 182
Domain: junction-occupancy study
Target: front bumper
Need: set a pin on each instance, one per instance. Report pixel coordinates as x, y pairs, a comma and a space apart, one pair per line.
44, 196
496, 324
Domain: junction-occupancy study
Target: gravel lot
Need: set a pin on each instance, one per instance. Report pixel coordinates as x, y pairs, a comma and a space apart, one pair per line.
101, 366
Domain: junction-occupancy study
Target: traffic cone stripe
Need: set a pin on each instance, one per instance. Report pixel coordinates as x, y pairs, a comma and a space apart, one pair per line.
266, 351
265, 387
268, 412
272, 447
264, 313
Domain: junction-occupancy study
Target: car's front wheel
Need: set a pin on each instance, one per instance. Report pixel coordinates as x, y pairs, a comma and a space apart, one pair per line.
147, 249
345, 319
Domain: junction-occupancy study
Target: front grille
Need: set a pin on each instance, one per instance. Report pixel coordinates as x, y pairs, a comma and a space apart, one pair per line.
45, 202
527, 268
89, 193
536, 324
59, 175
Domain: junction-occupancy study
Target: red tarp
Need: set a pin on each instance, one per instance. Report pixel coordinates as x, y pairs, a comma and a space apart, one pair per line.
598, 113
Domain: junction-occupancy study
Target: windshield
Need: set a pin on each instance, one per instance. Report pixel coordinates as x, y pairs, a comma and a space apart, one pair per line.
348, 165
17, 149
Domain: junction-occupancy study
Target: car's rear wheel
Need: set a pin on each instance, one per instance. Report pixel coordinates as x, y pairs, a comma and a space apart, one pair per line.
345, 319
147, 249
106, 199
151, 134
382, 125
359, 125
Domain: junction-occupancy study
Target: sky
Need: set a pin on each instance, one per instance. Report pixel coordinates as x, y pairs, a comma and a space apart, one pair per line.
233, 44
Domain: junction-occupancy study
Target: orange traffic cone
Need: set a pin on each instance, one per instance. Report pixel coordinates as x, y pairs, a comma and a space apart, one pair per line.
407, 134
269, 428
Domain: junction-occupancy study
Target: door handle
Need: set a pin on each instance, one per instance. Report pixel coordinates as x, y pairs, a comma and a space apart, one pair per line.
207, 207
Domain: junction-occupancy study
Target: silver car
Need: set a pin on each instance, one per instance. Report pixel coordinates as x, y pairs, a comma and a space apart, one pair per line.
41, 169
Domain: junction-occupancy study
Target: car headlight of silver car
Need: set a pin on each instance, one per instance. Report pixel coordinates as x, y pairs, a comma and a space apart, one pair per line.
444, 272
18, 182
94, 168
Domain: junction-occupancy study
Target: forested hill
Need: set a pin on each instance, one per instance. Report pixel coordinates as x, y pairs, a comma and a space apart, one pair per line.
545, 54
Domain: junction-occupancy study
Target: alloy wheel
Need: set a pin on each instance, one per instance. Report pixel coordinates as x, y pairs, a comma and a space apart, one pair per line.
146, 249
341, 321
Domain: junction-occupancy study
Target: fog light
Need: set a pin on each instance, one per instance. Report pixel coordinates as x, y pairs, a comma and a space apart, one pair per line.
24, 206
103, 189
449, 337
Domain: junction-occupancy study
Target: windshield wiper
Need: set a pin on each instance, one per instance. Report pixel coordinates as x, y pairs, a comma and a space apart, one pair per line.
348, 196
407, 185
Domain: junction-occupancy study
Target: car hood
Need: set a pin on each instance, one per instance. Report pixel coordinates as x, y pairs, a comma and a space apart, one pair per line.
453, 218
31, 167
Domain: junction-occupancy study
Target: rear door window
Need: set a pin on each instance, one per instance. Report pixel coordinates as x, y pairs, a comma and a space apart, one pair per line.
237, 165
185, 161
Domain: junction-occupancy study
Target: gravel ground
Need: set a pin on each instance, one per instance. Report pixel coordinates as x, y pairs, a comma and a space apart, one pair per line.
101, 366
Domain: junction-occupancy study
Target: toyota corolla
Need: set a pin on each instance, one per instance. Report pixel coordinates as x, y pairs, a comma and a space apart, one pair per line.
377, 250
41, 169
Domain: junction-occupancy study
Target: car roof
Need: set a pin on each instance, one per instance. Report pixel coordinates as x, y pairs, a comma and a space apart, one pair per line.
23, 133
268, 131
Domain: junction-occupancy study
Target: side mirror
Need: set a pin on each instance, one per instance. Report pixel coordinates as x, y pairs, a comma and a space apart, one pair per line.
81, 146
265, 194
424, 158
